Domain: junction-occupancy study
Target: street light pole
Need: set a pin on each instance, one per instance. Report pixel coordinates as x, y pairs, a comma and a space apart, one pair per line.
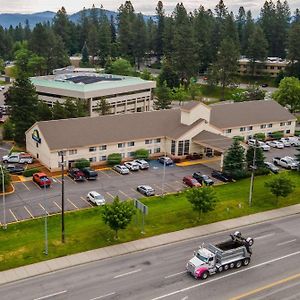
3, 199
252, 173
62, 198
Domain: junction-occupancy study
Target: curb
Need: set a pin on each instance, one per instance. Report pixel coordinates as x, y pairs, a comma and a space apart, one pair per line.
78, 259
11, 192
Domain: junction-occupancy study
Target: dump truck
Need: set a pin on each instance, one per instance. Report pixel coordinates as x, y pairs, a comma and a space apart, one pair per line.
215, 258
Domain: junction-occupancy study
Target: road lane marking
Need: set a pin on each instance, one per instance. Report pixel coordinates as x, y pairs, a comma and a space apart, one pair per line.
124, 194
265, 287
72, 203
101, 297
128, 273
13, 215
225, 276
110, 195
86, 201
104, 174
57, 205
43, 208
26, 186
31, 215
173, 275
287, 242
264, 236
50, 295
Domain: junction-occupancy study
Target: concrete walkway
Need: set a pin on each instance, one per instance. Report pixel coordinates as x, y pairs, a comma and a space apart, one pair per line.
142, 244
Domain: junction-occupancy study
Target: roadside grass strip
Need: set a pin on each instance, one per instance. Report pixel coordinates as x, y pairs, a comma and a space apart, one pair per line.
23, 242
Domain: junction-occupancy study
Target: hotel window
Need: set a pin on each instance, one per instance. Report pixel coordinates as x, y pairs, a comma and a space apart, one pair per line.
228, 131
131, 154
103, 147
289, 123
186, 147
93, 159
173, 147
103, 158
288, 131
130, 144
147, 142
157, 150
250, 128
92, 149
72, 152
263, 126
282, 123
270, 125
243, 129
64, 153
180, 148
121, 145
157, 141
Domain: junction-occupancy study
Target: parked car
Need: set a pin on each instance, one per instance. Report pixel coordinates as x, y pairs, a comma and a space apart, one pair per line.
18, 157
95, 198
294, 141
132, 166
285, 142
2, 88
121, 169
275, 144
272, 167
76, 174
221, 176
143, 165
89, 173
264, 85
285, 162
14, 169
41, 179
191, 182
259, 144
146, 190
201, 178
165, 160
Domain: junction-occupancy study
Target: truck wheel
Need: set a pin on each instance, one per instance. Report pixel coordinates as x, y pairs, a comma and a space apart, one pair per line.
231, 265
246, 261
238, 264
204, 275
220, 269
226, 267
250, 241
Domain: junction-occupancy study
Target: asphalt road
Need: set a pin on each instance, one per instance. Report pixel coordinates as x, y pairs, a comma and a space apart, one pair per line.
159, 273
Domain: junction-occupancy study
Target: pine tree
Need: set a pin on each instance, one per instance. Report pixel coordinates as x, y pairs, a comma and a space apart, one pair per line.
58, 111
85, 61
103, 106
160, 15
113, 29
163, 97
139, 39
259, 157
105, 39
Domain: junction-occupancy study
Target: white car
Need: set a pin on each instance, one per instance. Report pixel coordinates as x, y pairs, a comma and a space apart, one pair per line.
146, 190
142, 164
132, 166
275, 144
121, 169
285, 142
2, 88
293, 140
95, 198
260, 144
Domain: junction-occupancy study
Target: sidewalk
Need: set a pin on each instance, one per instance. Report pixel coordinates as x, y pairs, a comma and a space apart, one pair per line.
142, 244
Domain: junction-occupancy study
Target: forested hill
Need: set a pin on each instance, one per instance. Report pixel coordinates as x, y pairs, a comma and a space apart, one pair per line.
9, 19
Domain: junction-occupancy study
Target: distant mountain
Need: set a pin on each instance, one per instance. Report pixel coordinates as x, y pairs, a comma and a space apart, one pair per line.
7, 19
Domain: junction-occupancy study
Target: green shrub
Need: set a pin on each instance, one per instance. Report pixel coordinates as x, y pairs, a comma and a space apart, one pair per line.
30, 172
82, 163
114, 159
297, 133
262, 171
277, 135
239, 138
141, 154
260, 136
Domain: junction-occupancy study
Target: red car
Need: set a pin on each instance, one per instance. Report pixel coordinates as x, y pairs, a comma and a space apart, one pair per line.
190, 181
41, 179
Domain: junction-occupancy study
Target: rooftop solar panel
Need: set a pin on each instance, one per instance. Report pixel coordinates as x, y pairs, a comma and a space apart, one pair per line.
91, 79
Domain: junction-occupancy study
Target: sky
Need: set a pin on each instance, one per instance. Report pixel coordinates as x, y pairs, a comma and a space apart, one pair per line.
144, 6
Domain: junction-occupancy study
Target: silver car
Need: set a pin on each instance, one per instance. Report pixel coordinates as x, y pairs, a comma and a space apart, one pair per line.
95, 198
132, 166
146, 190
121, 169
142, 164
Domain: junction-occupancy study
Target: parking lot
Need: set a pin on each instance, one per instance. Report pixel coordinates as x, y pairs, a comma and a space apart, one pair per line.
30, 201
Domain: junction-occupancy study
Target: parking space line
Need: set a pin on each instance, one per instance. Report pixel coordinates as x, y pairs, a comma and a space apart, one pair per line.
26, 186
13, 215
57, 205
170, 186
70, 179
116, 172
43, 208
104, 173
58, 180
136, 192
86, 201
110, 195
125, 194
31, 215
72, 203
157, 187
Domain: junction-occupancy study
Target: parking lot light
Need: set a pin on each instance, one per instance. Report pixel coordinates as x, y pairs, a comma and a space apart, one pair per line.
3, 198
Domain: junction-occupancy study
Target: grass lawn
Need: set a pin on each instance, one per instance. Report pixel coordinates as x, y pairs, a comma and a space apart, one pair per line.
216, 92
23, 243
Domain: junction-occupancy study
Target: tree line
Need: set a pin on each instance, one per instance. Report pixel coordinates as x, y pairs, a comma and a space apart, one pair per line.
189, 41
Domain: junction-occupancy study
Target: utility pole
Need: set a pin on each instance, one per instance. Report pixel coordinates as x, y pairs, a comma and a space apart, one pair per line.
62, 197
46, 225
3, 199
253, 167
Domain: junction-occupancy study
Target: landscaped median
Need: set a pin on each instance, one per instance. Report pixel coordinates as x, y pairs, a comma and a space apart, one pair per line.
23, 243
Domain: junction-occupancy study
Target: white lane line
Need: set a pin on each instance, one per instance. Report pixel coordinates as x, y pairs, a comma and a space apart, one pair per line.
104, 174
54, 180
128, 273
264, 236
43, 208
101, 297
110, 195
173, 275
57, 205
124, 194
31, 215
50, 295
26, 186
287, 242
225, 276
13, 215
58, 180
72, 203
86, 201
